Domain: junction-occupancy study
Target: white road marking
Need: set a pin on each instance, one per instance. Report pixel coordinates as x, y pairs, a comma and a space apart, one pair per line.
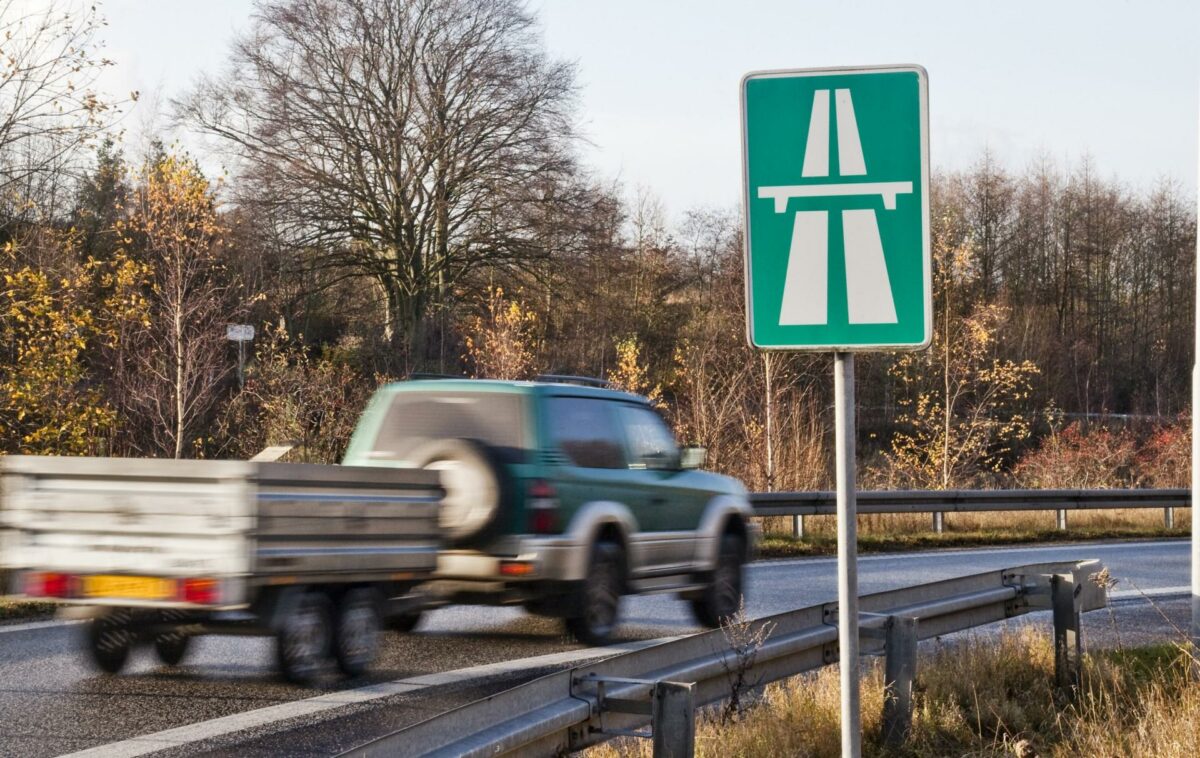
868, 288
8, 629
236, 722
816, 151
1151, 593
850, 154
806, 283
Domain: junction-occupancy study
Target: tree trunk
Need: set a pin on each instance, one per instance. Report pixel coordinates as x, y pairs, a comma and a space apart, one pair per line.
177, 336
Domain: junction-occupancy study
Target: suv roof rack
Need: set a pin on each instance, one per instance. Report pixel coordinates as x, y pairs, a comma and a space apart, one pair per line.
429, 375
585, 381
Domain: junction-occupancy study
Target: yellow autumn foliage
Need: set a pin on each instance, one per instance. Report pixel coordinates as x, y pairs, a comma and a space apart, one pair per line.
631, 374
501, 338
49, 402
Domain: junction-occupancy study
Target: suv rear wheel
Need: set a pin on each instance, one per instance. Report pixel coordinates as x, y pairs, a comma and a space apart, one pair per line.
721, 598
598, 605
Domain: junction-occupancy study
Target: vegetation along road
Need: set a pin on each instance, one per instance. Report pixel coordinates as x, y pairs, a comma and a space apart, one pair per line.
227, 699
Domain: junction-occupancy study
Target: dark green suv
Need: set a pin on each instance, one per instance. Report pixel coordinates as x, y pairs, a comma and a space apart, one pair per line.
561, 497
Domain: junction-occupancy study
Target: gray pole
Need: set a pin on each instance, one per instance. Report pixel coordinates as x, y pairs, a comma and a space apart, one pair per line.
1196, 459
847, 534
241, 364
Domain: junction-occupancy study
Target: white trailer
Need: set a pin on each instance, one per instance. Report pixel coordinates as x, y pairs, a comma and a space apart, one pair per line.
159, 551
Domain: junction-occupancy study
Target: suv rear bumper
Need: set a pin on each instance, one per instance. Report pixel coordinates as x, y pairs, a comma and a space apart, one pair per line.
536, 559
536, 577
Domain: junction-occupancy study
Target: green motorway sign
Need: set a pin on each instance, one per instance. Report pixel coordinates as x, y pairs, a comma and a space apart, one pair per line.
836, 172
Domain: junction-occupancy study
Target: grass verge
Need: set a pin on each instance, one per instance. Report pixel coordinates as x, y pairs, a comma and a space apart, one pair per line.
21, 610
983, 696
786, 546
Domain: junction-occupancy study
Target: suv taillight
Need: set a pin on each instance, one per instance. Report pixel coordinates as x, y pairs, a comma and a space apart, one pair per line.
542, 508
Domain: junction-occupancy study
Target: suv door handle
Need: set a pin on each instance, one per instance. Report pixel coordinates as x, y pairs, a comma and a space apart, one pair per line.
655, 501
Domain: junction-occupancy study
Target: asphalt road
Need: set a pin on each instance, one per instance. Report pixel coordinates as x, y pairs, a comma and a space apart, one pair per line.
227, 700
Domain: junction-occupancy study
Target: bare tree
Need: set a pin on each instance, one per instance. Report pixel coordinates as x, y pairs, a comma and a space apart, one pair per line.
49, 104
409, 140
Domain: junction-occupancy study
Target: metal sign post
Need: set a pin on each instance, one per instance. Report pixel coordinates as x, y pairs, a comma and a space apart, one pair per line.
241, 334
1196, 456
836, 171
847, 537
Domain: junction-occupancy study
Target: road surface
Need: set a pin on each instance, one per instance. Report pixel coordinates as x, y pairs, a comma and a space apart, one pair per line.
226, 700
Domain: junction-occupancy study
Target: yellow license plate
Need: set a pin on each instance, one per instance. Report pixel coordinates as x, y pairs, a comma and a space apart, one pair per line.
131, 587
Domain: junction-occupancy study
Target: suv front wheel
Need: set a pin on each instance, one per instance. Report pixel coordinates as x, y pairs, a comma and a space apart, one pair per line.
721, 598
598, 605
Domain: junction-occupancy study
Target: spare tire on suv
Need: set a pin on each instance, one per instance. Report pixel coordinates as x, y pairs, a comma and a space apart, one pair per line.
475, 483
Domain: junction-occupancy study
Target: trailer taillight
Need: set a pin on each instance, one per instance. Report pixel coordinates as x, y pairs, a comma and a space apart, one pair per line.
48, 584
199, 591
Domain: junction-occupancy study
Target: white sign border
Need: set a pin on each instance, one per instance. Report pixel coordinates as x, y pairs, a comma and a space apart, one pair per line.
923, 94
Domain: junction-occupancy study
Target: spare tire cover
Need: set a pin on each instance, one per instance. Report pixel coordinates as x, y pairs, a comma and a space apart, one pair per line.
473, 483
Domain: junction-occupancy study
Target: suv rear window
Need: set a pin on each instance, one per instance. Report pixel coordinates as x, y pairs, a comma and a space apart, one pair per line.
415, 419
585, 430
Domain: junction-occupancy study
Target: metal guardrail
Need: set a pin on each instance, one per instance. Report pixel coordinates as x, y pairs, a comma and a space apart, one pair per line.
661, 685
937, 502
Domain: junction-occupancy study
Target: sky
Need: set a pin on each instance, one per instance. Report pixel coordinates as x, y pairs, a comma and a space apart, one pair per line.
1116, 80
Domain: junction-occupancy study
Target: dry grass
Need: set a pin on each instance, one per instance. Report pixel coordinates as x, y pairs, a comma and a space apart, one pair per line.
985, 696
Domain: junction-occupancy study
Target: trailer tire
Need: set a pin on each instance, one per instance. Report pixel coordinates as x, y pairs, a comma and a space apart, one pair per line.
172, 647
356, 631
302, 641
476, 487
110, 637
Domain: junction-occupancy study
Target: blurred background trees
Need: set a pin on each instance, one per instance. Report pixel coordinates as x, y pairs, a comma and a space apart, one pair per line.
405, 196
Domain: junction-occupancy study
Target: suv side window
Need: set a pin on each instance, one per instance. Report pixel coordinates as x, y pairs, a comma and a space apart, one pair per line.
584, 429
651, 443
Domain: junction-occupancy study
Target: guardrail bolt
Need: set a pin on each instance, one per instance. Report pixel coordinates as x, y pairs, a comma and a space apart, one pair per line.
674, 720
1068, 643
900, 669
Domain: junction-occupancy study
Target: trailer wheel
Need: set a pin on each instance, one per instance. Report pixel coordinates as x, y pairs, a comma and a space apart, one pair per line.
171, 648
356, 631
110, 637
303, 639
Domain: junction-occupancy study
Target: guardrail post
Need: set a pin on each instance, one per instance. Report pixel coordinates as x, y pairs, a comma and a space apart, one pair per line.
674, 720
1068, 645
1168, 518
900, 669
939, 521
1061, 521
798, 526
